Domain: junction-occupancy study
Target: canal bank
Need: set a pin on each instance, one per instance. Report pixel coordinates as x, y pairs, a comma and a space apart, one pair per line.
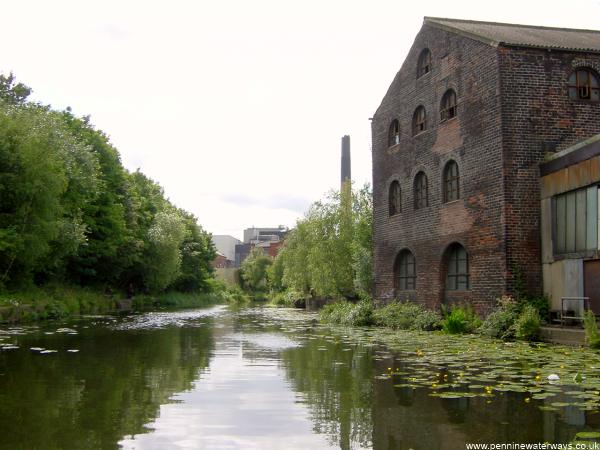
62, 301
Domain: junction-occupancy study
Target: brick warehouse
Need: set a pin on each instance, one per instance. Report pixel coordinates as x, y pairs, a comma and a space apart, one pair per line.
457, 144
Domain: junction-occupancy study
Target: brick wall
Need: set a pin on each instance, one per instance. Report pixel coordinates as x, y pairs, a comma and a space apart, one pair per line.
538, 117
474, 140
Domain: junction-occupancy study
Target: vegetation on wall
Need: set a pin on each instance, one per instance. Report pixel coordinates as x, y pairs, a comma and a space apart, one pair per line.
70, 213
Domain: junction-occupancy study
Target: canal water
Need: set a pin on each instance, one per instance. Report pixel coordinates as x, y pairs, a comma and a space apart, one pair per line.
264, 378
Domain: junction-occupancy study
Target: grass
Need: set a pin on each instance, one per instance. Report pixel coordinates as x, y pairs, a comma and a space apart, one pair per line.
176, 300
592, 336
59, 301
52, 302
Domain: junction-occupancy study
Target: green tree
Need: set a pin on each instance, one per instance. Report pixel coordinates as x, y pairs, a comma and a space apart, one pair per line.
12, 92
197, 252
275, 273
43, 167
163, 257
362, 240
294, 259
254, 270
144, 199
106, 254
329, 253
70, 212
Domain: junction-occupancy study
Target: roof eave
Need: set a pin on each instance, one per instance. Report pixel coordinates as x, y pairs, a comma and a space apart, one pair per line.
435, 22
476, 37
549, 47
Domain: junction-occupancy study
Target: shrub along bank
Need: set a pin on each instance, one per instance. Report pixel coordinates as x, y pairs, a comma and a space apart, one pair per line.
510, 320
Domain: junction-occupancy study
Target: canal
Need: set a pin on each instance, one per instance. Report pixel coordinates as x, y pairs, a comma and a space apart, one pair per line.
264, 378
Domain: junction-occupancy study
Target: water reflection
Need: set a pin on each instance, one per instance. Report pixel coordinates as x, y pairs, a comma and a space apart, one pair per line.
336, 384
110, 388
263, 378
242, 401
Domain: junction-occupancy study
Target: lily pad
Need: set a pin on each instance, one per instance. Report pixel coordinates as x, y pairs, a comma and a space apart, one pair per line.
588, 435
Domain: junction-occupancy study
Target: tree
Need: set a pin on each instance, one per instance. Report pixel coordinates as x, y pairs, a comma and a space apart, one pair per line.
254, 270
275, 273
108, 251
70, 211
163, 258
329, 253
39, 165
11, 92
362, 241
197, 252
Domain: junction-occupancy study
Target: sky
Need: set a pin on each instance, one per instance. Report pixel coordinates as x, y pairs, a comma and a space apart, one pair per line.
236, 107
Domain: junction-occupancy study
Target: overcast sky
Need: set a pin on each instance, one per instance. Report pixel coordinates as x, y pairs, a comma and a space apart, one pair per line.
236, 107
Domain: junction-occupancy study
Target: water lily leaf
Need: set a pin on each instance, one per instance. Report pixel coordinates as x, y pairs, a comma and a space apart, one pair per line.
588, 435
543, 396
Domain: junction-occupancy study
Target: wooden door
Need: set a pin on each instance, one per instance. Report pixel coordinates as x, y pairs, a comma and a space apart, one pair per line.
591, 283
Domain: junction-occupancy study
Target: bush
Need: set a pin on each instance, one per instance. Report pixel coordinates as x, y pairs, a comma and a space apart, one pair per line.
346, 313
500, 323
56, 310
361, 314
592, 336
186, 300
460, 320
527, 326
396, 315
427, 320
406, 316
286, 299
280, 300
541, 304
233, 295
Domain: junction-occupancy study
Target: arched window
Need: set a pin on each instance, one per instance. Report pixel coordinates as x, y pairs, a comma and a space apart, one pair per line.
421, 191
584, 85
394, 133
405, 274
419, 122
451, 182
457, 275
424, 63
448, 106
394, 198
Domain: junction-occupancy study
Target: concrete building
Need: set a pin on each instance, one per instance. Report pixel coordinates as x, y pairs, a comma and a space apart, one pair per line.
225, 245
457, 144
255, 235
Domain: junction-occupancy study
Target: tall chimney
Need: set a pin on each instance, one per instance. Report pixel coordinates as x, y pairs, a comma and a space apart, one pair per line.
346, 172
